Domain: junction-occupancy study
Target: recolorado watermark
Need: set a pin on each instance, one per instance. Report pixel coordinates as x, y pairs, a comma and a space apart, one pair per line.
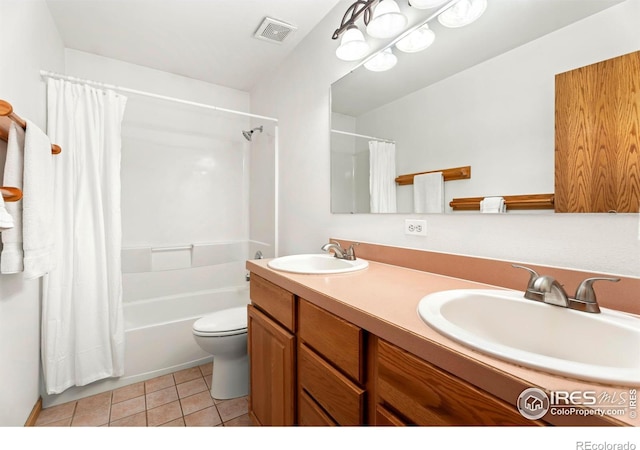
589, 445
534, 403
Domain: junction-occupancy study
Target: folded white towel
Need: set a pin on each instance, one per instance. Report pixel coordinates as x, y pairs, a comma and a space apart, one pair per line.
428, 193
6, 221
37, 207
11, 258
493, 205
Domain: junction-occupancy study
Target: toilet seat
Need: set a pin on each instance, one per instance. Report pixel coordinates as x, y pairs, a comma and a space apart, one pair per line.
228, 322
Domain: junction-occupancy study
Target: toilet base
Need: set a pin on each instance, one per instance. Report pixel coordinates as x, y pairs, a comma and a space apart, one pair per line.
230, 378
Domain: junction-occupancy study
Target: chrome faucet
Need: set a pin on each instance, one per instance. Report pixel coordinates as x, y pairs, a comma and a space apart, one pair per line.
339, 252
544, 288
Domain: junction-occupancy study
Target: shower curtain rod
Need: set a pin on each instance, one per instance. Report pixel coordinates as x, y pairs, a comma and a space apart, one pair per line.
362, 136
47, 74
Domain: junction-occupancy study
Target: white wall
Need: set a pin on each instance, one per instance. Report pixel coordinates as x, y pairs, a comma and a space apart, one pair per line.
298, 94
29, 41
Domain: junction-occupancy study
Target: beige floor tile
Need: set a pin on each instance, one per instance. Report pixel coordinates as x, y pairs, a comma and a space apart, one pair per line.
191, 387
128, 392
196, 402
163, 414
93, 403
155, 384
59, 423
162, 397
208, 417
95, 418
174, 423
56, 413
206, 369
136, 420
127, 408
187, 375
242, 421
230, 409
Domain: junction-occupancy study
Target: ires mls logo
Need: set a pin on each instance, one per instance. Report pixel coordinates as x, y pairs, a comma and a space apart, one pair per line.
534, 403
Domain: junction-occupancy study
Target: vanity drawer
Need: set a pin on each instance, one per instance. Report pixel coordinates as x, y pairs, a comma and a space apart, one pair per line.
338, 396
310, 414
273, 300
426, 395
337, 340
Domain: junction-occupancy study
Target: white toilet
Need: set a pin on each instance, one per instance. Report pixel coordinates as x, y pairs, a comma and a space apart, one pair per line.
224, 335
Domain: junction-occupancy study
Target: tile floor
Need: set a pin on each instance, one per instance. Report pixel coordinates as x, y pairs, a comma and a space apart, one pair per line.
179, 399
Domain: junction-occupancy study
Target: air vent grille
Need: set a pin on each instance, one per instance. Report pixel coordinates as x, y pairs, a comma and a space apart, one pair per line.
273, 30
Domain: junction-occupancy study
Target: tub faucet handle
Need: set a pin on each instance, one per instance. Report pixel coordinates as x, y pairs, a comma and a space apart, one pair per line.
533, 275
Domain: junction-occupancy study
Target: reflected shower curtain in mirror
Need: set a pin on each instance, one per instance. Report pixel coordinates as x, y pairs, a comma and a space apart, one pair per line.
382, 175
82, 317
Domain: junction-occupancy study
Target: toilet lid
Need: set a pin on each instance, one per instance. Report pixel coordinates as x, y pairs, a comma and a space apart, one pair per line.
227, 321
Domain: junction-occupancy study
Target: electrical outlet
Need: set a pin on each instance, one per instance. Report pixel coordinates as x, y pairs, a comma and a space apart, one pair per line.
415, 227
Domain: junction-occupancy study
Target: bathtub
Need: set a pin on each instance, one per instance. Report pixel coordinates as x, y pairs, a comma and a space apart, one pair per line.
158, 338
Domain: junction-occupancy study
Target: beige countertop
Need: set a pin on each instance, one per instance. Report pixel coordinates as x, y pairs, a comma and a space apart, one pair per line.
383, 299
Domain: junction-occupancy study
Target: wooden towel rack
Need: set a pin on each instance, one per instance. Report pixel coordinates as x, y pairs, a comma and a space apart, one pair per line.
13, 194
530, 201
455, 173
6, 110
10, 194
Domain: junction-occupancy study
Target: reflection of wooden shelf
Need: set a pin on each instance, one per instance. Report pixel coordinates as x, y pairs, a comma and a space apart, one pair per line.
532, 201
456, 173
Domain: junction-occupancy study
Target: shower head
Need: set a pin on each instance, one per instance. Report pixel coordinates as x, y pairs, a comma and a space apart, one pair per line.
248, 134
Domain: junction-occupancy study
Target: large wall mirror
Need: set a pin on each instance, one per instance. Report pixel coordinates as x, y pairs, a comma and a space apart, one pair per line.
480, 96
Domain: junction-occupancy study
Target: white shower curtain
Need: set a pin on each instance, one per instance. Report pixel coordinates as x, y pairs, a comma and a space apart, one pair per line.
382, 175
82, 318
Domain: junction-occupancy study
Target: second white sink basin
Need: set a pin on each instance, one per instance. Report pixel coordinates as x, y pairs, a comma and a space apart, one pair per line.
316, 264
601, 347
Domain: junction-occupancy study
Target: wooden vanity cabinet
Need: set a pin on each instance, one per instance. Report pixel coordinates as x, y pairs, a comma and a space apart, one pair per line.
411, 391
330, 368
272, 359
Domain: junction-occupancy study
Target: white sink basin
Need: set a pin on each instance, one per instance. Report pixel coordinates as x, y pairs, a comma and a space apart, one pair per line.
316, 264
601, 347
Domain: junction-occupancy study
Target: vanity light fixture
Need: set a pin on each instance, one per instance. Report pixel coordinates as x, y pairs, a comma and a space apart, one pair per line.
417, 40
387, 20
462, 13
384, 60
426, 4
383, 19
353, 46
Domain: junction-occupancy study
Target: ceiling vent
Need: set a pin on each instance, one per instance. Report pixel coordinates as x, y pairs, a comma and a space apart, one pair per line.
274, 30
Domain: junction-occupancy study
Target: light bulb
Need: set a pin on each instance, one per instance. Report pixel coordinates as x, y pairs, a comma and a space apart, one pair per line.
384, 60
462, 13
426, 4
417, 40
387, 20
353, 46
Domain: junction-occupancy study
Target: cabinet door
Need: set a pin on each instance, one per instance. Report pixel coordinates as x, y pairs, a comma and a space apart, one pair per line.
597, 155
271, 351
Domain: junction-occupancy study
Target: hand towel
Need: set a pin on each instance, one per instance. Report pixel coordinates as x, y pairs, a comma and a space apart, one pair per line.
37, 203
6, 221
493, 205
11, 258
428, 193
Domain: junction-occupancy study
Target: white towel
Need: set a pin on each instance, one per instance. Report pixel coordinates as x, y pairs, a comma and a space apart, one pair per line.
493, 205
428, 193
6, 221
37, 203
11, 259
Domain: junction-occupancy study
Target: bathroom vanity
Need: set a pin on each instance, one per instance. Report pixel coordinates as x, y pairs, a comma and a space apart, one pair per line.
350, 349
